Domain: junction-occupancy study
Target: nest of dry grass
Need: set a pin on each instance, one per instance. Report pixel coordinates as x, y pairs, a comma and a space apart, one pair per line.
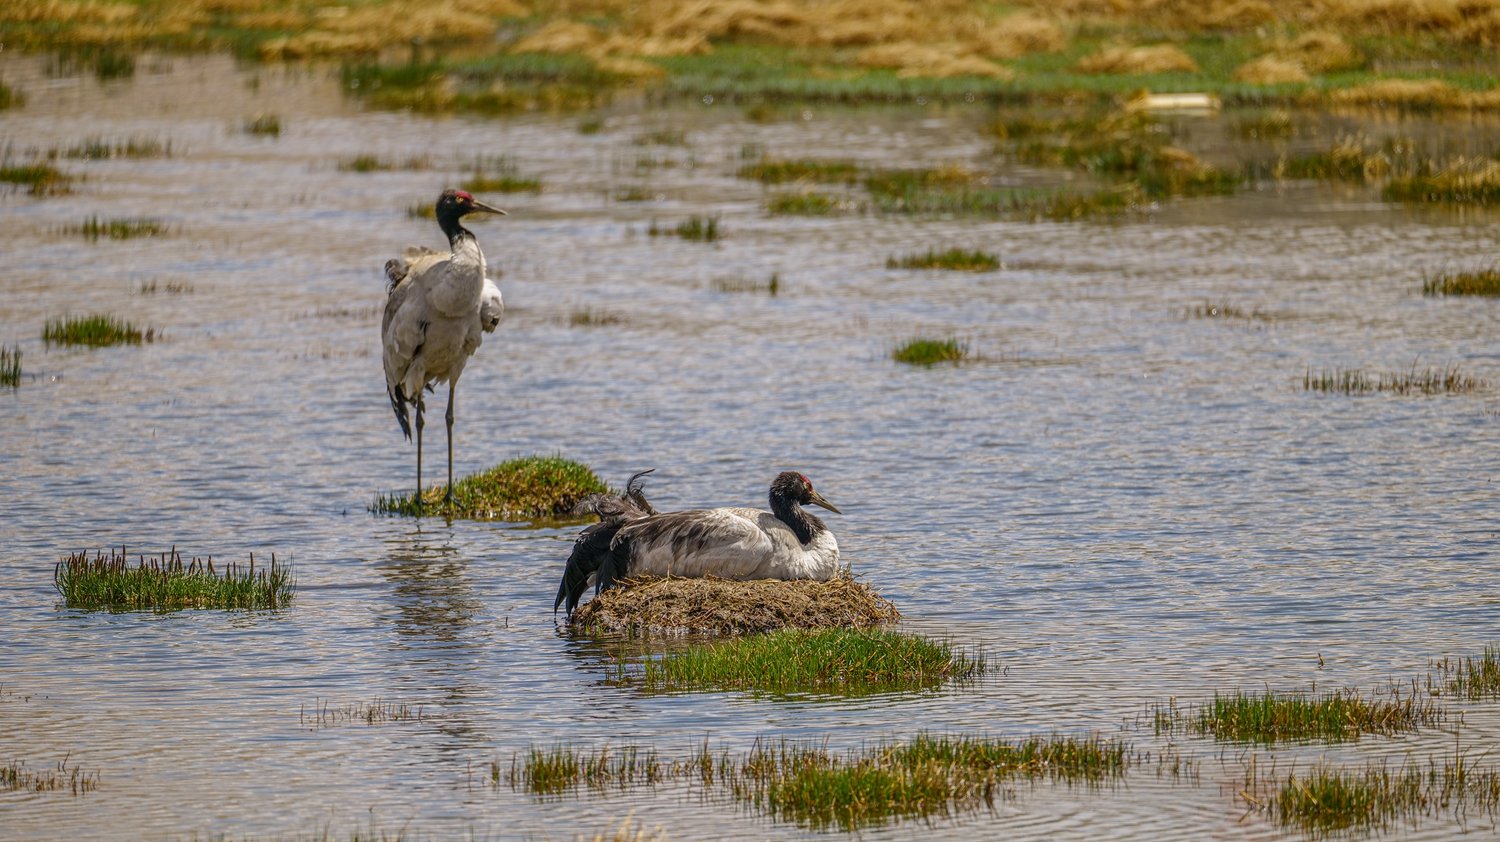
724, 606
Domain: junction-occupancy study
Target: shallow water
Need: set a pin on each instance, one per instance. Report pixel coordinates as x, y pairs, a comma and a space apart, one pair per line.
1117, 503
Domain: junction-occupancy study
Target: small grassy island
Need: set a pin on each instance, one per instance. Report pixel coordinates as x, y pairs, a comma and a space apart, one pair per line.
108, 581
525, 488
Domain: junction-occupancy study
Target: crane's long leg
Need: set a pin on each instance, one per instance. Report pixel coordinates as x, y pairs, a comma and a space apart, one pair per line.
452, 387
419, 450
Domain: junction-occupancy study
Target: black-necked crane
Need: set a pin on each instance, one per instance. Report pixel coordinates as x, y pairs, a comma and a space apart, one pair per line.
436, 307
729, 543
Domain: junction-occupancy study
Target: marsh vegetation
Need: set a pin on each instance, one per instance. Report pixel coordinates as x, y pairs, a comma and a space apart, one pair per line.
1447, 380
1273, 717
800, 660
953, 259
15, 777
1485, 282
499, 174
165, 583
96, 330
10, 366
804, 782
525, 488
925, 351
93, 228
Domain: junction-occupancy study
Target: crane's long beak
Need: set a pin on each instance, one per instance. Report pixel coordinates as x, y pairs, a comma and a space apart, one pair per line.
817, 500
481, 206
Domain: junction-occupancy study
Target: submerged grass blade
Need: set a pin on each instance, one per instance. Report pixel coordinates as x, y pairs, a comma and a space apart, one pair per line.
166, 583
93, 228
1449, 380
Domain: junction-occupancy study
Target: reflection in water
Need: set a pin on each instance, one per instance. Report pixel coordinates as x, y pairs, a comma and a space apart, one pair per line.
434, 599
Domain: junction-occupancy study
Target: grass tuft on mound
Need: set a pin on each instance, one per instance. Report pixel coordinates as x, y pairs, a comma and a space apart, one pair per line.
166, 583
723, 606
841, 660
525, 488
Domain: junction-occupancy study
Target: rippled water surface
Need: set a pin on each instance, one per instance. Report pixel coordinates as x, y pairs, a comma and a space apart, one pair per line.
1118, 503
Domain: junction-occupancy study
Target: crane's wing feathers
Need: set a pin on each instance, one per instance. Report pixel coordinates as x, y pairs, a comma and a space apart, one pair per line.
696, 532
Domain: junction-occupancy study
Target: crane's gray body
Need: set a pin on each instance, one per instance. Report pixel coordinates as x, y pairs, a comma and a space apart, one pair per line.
437, 310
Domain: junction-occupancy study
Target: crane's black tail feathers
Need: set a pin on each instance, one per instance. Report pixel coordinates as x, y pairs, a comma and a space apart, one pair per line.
593, 551
398, 405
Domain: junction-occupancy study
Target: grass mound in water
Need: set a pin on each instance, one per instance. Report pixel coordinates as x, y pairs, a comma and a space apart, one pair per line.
164, 582
1484, 282
923, 351
723, 606
10, 366
838, 660
525, 488
95, 331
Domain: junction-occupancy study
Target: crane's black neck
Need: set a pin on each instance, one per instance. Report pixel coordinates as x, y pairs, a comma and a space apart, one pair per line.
805, 526
448, 221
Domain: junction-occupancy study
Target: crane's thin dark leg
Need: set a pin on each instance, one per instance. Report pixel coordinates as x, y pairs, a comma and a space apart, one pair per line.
452, 387
419, 450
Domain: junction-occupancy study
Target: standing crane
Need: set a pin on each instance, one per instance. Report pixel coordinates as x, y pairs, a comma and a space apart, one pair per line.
436, 307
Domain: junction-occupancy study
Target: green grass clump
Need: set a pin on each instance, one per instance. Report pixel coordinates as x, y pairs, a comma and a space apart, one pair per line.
15, 777
374, 163
99, 148
589, 317
928, 777
424, 210
1328, 800
1471, 678
10, 97
1459, 185
1449, 380
922, 351
780, 172
166, 583
801, 204
741, 284
95, 331
955, 259
801, 660
502, 177
10, 366
1126, 146
701, 229
662, 137
563, 768
1484, 282
525, 488
40, 179
93, 228
263, 124
1279, 717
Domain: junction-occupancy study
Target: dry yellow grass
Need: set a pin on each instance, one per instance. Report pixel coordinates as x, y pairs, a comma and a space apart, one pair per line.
727, 607
931, 61
1136, 61
1018, 35
1271, 70
1322, 52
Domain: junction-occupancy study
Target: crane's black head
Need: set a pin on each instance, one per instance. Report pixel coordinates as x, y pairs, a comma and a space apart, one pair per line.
796, 488
454, 205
